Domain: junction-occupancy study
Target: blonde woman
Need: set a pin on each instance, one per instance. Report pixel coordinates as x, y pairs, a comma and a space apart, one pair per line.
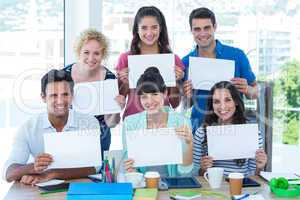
91, 49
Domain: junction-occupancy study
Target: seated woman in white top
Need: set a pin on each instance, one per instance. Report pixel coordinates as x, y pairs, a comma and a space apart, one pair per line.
224, 106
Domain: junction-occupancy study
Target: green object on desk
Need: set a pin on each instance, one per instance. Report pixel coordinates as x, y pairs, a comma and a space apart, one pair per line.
146, 192
193, 192
281, 188
186, 193
54, 191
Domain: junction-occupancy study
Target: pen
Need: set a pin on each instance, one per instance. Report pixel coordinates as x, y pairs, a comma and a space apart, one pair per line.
294, 179
243, 197
103, 172
108, 173
113, 169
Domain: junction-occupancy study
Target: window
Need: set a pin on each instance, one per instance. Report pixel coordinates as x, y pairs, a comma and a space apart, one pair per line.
263, 29
31, 34
32, 42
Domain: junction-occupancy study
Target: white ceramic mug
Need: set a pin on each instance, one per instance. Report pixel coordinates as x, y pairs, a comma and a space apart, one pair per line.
214, 176
135, 178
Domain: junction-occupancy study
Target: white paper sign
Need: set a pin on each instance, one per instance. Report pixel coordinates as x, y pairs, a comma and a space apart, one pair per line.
292, 177
205, 72
96, 98
72, 149
151, 147
137, 65
232, 141
51, 182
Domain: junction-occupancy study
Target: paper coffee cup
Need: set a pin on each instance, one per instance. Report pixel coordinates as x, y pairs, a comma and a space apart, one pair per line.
236, 183
152, 179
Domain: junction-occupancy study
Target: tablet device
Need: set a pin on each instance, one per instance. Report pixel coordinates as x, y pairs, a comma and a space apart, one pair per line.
248, 182
181, 182
49, 188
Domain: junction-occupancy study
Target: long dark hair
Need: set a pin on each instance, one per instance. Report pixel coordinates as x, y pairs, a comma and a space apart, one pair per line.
238, 117
163, 39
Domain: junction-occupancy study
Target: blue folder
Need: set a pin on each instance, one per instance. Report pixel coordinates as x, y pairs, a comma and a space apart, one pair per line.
103, 191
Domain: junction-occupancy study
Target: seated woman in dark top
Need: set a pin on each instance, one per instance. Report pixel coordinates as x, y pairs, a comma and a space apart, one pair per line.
225, 106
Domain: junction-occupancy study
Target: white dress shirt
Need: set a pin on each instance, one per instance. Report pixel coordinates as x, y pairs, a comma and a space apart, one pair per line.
29, 138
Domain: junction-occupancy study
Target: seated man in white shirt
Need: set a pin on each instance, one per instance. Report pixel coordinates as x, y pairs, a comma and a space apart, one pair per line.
57, 93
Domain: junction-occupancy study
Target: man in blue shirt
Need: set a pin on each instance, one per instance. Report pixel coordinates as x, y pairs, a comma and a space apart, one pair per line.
203, 26
57, 93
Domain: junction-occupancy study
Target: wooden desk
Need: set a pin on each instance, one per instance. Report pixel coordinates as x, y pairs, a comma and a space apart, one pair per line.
19, 191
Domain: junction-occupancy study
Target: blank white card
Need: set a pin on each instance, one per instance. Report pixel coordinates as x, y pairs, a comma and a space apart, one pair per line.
232, 141
151, 147
72, 149
165, 63
205, 72
96, 98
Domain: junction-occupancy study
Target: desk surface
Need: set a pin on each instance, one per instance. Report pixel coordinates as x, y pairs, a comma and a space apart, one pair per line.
19, 191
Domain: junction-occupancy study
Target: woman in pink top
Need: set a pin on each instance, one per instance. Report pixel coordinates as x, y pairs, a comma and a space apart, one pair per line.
150, 36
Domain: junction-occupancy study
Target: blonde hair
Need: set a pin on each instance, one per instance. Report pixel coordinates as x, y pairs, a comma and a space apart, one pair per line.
91, 34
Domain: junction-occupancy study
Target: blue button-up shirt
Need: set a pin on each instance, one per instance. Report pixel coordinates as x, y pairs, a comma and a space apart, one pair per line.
242, 70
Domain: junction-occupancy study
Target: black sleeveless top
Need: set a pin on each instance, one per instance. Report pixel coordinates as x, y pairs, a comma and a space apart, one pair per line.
105, 130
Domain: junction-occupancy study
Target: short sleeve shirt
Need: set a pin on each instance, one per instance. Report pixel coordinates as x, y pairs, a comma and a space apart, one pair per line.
133, 104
